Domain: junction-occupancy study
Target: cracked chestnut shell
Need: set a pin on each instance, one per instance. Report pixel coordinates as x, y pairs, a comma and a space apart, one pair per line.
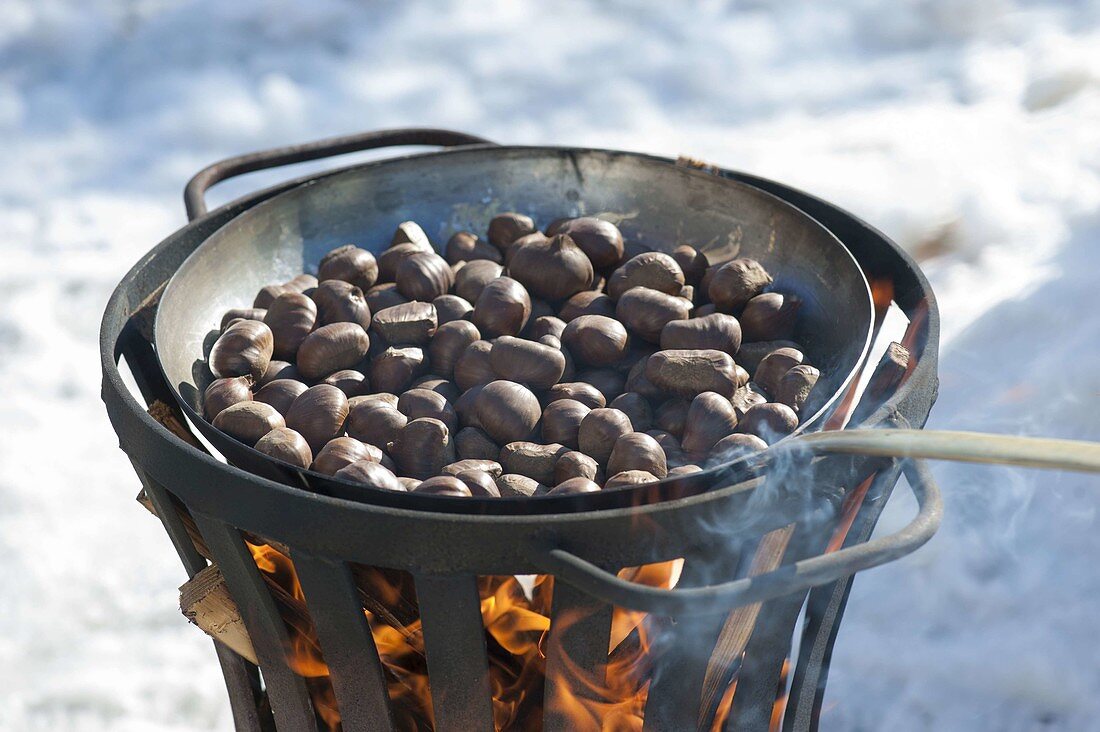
507, 411
283, 443
349, 264
244, 349
318, 414
332, 348
532, 364
291, 317
502, 308
247, 422
552, 269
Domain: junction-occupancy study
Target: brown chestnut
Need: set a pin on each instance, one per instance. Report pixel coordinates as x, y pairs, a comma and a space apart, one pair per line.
692, 262
473, 366
751, 354
242, 314
502, 308
507, 411
318, 414
747, 397
635, 406
770, 422
710, 418
655, 270
505, 228
341, 302
719, 332
371, 474
796, 385
599, 430
433, 382
639, 383
280, 394
595, 340
575, 464
629, 478
340, 452
774, 366
471, 443
681, 471
449, 308
247, 422
553, 269
609, 382
545, 325
491, 467
283, 443
600, 240
465, 246
526, 362
410, 232
735, 446
443, 485
561, 421
472, 279
416, 403
332, 348
349, 381
586, 394
349, 264
532, 459
512, 485
572, 486
411, 323
422, 448
736, 282
770, 316
224, 393
646, 311
391, 259
374, 422
671, 415
637, 451
480, 483
244, 349
589, 302
424, 276
383, 296
687, 373
390, 400
279, 370
394, 370
291, 317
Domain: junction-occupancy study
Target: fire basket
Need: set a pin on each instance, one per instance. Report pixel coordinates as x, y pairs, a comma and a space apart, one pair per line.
677, 610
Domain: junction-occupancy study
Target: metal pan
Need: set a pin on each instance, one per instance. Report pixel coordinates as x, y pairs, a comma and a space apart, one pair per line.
657, 204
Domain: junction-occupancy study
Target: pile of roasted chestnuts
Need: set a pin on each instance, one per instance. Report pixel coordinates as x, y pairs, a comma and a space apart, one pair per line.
529, 363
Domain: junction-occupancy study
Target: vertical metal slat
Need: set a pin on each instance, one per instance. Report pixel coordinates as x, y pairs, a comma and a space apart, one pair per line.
580, 633
286, 690
454, 642
347, 643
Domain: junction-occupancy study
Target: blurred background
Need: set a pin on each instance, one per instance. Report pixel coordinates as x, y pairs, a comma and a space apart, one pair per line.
967, 130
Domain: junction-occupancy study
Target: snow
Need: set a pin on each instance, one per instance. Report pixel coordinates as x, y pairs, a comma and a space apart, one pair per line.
968, 130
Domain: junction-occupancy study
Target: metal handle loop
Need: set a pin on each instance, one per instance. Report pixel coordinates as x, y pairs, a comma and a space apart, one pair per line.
193, 194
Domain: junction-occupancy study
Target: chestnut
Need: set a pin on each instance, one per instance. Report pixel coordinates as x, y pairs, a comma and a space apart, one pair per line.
646, 311
586, 394
770, 422
525, 362
710, 418
391, 259
639, 383
283, 443
247, 422
318, 414
747, 397
718, 331
244, 349
553, 269
545, 325
291, 317
349, 381
480, 483
444, 485
409, 484
512, 485
449, 308
770, 316
491, 467
371, 474
634, 406
280, 394
339, 452
349, 264
472, 279
224, 393
600, 240
532, 459
774, 366
375, 422
574, 485
751, 354
466, 406
692, 262
561, 421
589, 302
506, 227
332, 348
279, 370
599, 430
687, 373
472, 443
410, 323
628, 478
735, 446
575, 464
465, 246
796, 385
671, 415
507, 411
681, 471
383, 296
674, 452
422, 448
609, 382
435, 383
736, 282
637, 451
473, 366
382, 397
410, 232
394, 370
654, 270
424, 276
595, 340
341, 302
242, 314
502, 308
416, 403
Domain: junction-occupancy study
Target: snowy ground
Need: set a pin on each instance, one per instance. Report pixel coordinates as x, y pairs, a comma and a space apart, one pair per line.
967, 129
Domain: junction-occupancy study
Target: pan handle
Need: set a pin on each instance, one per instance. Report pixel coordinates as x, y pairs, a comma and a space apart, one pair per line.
800, 575
193, 194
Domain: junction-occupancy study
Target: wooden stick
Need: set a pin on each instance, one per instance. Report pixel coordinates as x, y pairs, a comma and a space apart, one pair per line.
971, 447
206, 602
